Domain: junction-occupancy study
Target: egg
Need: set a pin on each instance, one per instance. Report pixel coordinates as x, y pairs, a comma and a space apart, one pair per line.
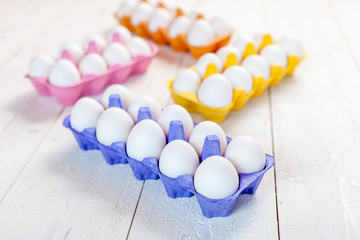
239, 78
176, 112
203, 62
92, 63
40, 66
216, 178
126, 95
259, 37
194, 14
246, 154
178, 158
75, 49
224, 52
242, 41
203, 129
215, 91
141, 13
144, 101
257, 66
126, 8
146, 139
187, 81
291, 46
200, 33
159, 18
85, 114
64, 73
179, 26
97, 39
116, 53
275, 55
114, 125
138, 46
122, 32
221, 26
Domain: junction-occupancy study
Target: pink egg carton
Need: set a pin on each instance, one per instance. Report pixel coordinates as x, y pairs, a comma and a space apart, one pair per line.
93, 84
147, 169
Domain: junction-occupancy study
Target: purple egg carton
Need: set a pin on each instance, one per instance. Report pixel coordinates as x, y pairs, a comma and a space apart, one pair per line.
182, 186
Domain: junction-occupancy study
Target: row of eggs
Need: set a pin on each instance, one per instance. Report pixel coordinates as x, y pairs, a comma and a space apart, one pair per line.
215, 178
64, 72
199, 32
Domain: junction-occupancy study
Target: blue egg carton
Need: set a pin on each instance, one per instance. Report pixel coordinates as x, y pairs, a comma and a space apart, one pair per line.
182, 186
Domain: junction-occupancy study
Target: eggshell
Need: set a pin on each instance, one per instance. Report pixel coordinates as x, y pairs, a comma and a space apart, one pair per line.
241, 42
141, 13
259, 37
216, 178
221, 26
40, 66
176, 112
223, 53
205, 60
144, 101
146, 139
200, 33
75, 49
246, 154
159, 18
257, 66
178, 158
126, 95
216, 91
126, 8
203, 129
116, 53
92, 63
138, 46
291, 45
239, 78
275, 55
114, 125
179, 26
122, 31
85, 114
97, 39
187, 81
64, 73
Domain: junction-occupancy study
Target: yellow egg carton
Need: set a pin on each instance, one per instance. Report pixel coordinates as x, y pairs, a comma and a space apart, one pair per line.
240, 97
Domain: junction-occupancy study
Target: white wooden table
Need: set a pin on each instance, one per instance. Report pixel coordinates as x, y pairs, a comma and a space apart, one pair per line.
50, 189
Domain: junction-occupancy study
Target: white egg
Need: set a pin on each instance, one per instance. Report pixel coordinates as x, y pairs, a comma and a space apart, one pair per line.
126, 95
116, 53
64, 73
178, 158
216, 91
200, 33
275, 55
203, 129
144, 101
114, 125
180, 25
257, 66
259, 37
40, 66
221, 26
291, 45
176, 112
224, 52
159, 18
126, 8
75, 49
141, 13
92, 63
239, 78
242, 41
205, 60
216, 178
85, 114
194, 14
146, 139
123, 33
188, 81
97, 39
168, 4
246, 154
138, 46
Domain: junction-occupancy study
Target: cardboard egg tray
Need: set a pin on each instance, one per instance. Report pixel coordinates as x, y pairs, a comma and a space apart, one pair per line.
182, 186
93, 84
179, 43
240, 97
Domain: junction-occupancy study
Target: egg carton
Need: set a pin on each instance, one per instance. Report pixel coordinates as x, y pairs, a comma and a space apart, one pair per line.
240, 97
179, 43
147, 169
93, 84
